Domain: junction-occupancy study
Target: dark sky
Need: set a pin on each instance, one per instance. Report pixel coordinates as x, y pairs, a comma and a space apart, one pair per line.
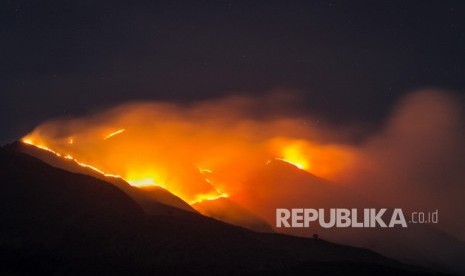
352, 60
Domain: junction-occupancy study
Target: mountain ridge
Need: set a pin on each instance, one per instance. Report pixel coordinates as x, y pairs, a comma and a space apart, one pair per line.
64, 235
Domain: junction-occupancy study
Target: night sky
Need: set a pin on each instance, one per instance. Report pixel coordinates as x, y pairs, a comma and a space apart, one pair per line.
351, 60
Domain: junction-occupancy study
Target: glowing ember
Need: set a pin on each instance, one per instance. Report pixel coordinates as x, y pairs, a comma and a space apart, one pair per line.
114, 133
69, 157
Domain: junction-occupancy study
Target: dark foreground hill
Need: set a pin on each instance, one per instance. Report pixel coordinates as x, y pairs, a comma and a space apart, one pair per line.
143, 197
148, 197
57, 222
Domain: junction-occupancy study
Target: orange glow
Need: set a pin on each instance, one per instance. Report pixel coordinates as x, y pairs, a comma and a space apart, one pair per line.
323, 160
142, 182
145, 178
199, 152
294, 154
298, 165
134, 179
207, 197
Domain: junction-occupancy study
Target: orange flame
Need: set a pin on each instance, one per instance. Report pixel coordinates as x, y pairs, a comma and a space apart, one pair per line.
137, 180
293, 154
113, 133
69, 157
167, 144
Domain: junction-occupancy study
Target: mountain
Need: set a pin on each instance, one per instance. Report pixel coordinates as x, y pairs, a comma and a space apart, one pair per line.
59, 222
421, 244
228, 211
144, 197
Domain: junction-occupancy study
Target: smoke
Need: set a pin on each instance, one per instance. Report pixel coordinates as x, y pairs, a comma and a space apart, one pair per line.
163, 143
416, 160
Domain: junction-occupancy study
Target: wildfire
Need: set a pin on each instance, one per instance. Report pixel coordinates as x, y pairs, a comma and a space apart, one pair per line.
208, 197
69, 157
196, 152
294, 154
142, 182
114, 133
298, 165
29, 142
145, 178
133, 179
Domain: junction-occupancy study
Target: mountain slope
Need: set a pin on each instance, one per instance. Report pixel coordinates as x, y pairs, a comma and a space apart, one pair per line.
421, 244
228, 211
145, 197
148, 197
54, 221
